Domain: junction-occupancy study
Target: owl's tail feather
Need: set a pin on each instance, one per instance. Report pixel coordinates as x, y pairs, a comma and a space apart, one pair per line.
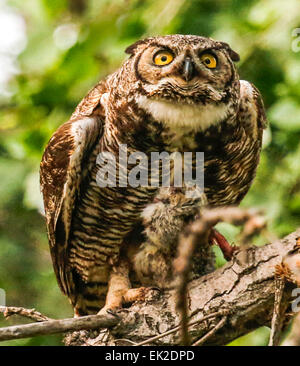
90, 297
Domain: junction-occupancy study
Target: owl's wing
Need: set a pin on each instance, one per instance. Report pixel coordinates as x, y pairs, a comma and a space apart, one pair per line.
61, 173
252, 111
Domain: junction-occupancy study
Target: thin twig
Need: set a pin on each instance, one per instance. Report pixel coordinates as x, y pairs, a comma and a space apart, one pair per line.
27, 313
287, 271
278, 314
211, 332
177, 327
125, 340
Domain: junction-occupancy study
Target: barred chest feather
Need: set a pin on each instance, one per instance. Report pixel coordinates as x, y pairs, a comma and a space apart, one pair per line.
104, 216
230, 159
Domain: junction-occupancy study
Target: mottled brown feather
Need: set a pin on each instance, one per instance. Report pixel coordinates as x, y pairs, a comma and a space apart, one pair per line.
55, 173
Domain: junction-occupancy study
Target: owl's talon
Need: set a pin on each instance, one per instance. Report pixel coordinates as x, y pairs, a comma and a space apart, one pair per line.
140, 294
113, 312
153, 293
156, 289
105, 311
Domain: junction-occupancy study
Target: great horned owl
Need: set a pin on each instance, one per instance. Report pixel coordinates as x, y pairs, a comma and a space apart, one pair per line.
174, 93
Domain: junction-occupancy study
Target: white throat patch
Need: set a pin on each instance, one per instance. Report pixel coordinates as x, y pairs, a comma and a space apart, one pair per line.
183, 115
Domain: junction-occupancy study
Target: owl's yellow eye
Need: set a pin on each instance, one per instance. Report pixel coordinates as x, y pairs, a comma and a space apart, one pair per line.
163, 58
209, 60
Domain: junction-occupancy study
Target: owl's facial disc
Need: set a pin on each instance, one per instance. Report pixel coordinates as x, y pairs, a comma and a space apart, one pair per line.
184, 86
186, 74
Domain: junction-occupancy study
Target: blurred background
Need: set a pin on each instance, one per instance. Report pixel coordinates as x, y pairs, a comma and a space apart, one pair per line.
53, 51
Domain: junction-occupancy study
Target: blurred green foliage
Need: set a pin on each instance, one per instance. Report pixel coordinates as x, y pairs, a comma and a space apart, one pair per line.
70, 46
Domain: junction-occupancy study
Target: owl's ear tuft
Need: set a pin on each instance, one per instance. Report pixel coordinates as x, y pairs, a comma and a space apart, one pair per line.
233, 55
130, 50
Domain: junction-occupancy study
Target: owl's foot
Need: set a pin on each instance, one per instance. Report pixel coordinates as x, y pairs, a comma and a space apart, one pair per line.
222, 242
107, 309
116, 300
120, 291
142, 294
135, 294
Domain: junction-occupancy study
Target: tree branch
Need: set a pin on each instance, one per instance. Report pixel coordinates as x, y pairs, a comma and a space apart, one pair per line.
57, 326
221, 306
32, 314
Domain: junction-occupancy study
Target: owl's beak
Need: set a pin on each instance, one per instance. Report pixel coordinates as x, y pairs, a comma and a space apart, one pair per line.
188, 69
